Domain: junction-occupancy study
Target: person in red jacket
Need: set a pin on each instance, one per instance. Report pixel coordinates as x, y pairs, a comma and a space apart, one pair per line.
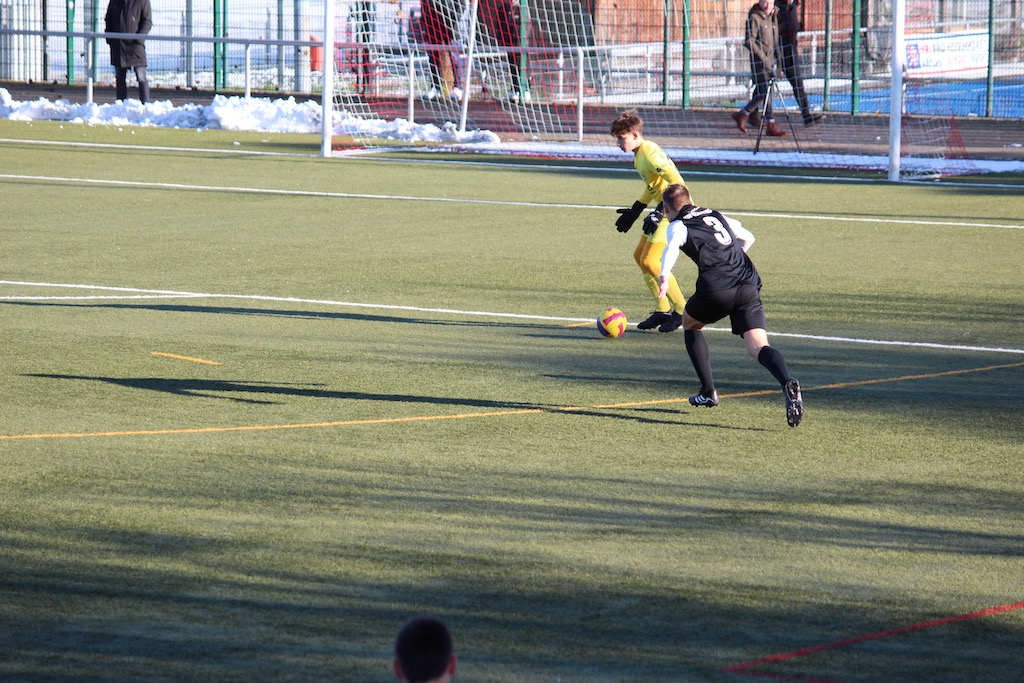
128, 16
500, 19
436, 23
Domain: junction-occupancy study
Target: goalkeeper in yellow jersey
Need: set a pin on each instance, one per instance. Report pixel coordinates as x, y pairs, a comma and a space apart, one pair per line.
658, 172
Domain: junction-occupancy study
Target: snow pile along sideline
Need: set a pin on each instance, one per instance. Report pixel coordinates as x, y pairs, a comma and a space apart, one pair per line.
232, 113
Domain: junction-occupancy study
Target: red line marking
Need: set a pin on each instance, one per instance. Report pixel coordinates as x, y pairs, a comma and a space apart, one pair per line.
784, 677
742, 667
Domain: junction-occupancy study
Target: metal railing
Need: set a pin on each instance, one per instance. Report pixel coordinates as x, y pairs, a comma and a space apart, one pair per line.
91, 38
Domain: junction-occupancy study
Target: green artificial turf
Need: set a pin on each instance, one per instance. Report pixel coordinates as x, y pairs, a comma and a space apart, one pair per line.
380, 438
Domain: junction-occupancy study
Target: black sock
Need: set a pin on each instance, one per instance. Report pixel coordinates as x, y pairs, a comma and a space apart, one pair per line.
776, 364
700, 356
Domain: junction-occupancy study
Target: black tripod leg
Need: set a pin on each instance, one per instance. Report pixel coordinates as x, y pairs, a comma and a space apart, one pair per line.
792, 128
764, 115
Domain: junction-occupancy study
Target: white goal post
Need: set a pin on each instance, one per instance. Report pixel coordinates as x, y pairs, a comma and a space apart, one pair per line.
899, 8
327, 101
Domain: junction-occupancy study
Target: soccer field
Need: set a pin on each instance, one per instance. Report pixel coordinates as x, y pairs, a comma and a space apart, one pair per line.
261, 408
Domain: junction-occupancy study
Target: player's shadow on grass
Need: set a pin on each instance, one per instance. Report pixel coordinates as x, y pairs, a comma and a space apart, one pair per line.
642, 416
289, 562
281, 313
207, 388
647, 416
231, 391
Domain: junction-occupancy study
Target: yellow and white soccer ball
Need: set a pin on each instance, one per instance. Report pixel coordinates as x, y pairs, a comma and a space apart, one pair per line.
611, 322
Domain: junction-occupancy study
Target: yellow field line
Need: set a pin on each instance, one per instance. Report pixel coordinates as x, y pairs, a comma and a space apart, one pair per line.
188, 358
499, 413
257, 428
924, 376
838, 385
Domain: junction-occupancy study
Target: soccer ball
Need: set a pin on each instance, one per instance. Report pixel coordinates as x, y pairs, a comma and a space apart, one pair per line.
611, 322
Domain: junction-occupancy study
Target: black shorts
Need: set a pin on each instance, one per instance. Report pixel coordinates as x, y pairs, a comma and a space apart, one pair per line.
742, 304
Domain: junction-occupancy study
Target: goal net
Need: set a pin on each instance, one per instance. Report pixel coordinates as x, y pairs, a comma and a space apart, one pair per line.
547, 77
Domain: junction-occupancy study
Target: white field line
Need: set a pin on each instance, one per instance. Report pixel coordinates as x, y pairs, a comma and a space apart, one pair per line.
503, 164
136, 293
732, 173
293, 193
165, 293
499, 202
155, 148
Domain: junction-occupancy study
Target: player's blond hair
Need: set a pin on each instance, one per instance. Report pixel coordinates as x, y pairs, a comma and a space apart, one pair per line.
676, 196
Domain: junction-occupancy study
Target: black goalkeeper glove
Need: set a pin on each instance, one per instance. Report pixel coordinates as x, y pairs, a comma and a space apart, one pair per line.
629, 216
652, 221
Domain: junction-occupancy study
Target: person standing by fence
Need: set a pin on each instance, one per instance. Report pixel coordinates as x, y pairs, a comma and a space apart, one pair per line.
129, 16
501, 20
762, 39
789, 26
435, 28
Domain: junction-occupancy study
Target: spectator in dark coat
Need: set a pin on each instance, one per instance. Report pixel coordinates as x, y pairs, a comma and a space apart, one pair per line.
762, 39
129, 16
789, 27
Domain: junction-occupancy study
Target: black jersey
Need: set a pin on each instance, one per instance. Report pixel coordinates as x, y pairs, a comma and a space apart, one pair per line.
707, 237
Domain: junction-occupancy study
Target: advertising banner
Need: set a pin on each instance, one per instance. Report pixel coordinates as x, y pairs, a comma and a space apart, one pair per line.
946, 53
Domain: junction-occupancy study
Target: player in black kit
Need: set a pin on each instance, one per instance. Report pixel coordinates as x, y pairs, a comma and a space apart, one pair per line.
727, 285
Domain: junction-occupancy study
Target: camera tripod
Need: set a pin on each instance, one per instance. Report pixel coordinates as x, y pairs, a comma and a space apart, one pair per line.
769, 98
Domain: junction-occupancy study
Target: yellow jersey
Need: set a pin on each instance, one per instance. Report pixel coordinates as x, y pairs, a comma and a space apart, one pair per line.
657, 170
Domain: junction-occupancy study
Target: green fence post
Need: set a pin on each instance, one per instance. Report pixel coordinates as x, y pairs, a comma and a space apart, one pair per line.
990, 83
70, 40
46, 52
665, 55
218, 8
95, 5
828, 56
224, 46
523, 57
855, 62
686, 54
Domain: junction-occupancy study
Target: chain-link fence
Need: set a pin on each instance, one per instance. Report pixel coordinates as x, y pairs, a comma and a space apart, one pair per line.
964, 56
